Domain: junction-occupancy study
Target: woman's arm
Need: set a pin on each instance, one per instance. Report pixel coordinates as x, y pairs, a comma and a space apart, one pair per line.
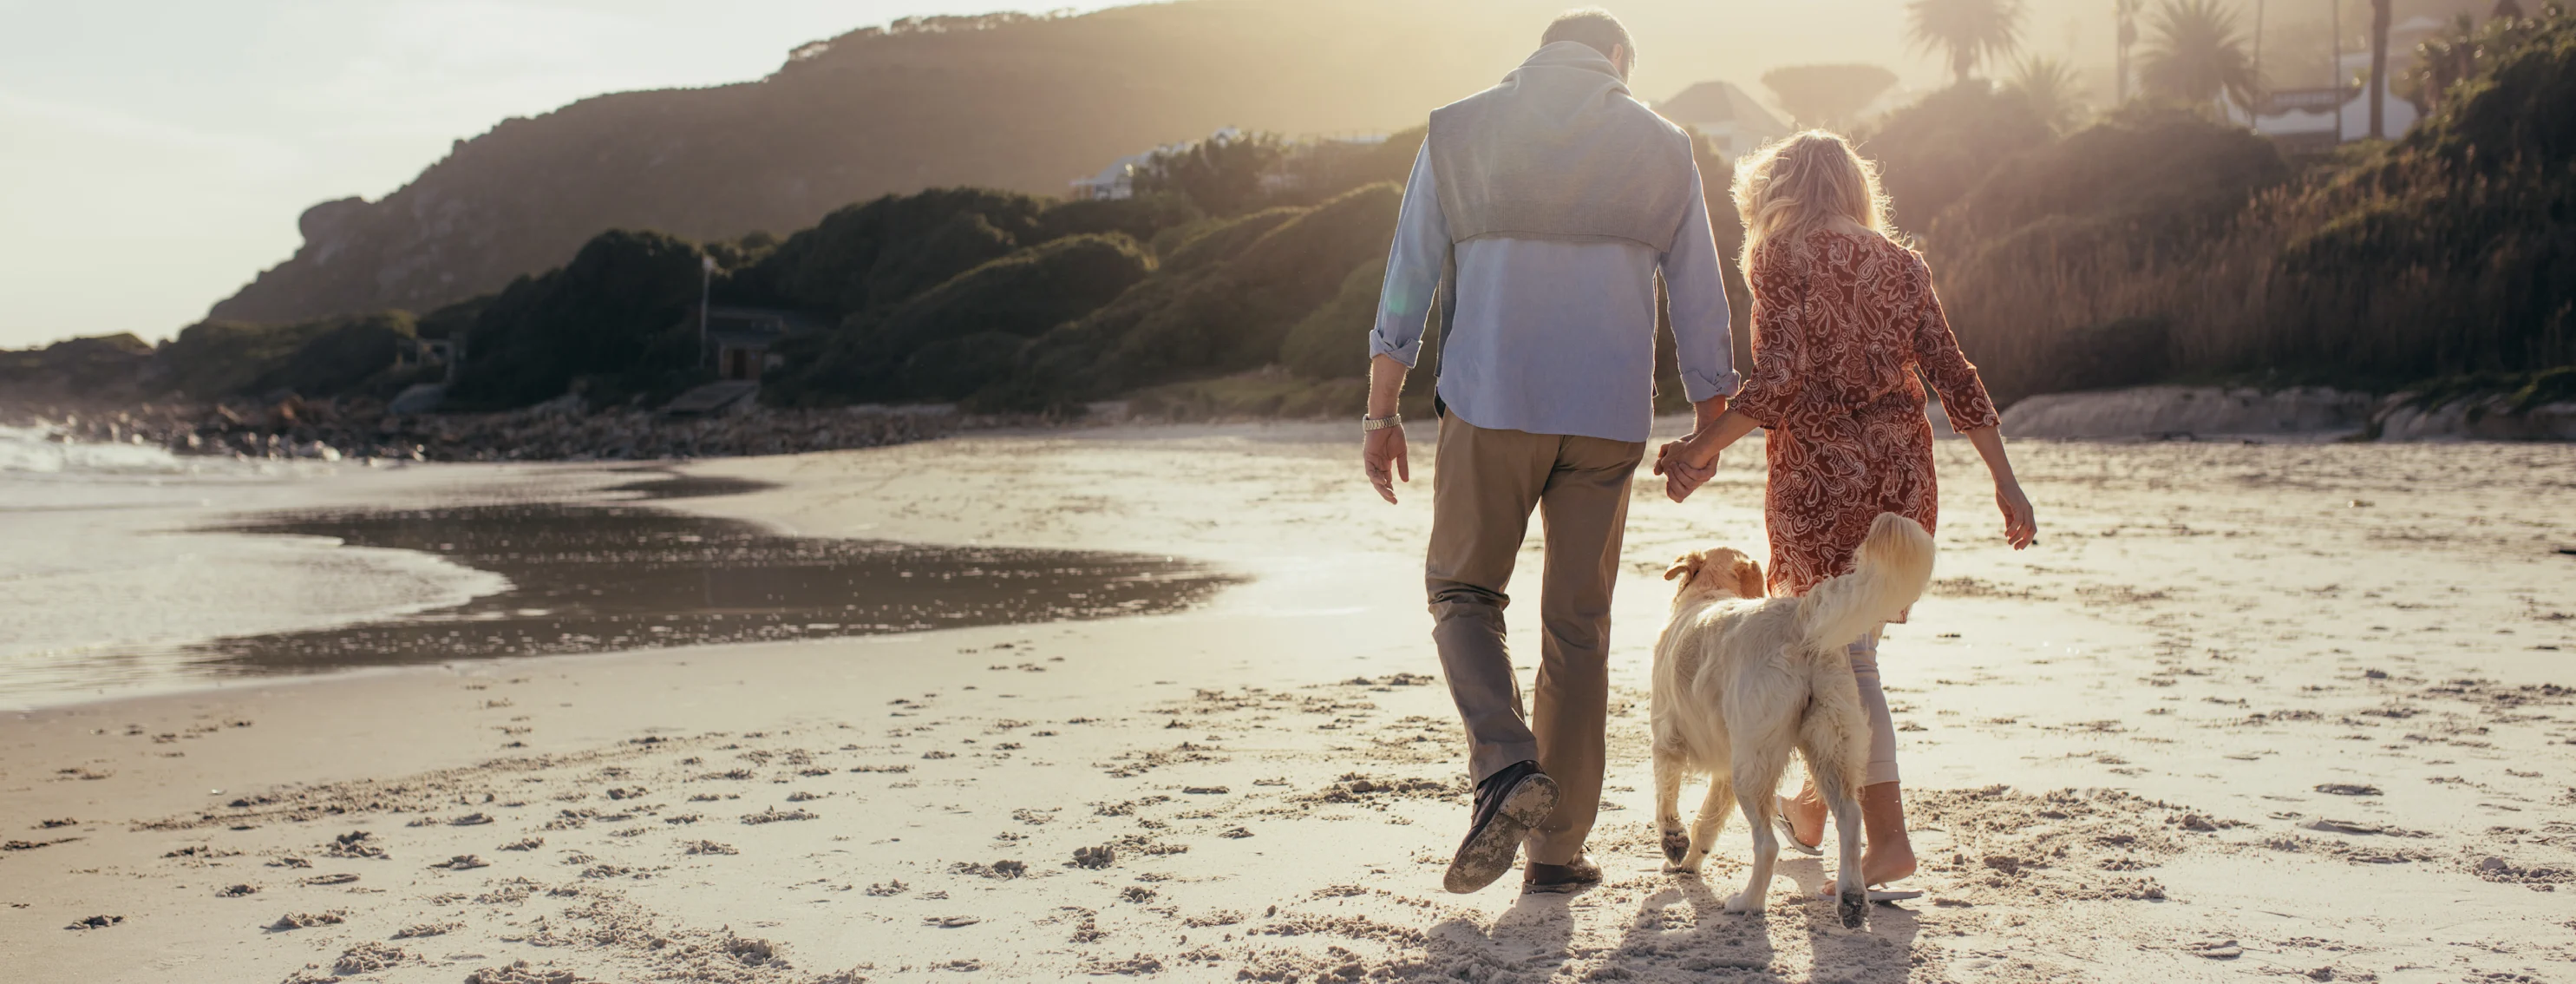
1779, 298
1971, 411
1699, 450
1936, 349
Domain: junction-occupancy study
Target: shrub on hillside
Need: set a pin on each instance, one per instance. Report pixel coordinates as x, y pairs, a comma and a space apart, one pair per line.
343, 357
616, 319
216, 359
1223, 175
1139, 218
1932, 153
2054, 258
1331, 342
1187, 248
883, 251
79, 367
897, 353
1221, 315
2452, 251
219, 359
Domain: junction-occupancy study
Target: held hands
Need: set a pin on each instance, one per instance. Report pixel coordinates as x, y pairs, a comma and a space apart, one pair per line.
1686, 464
1382, 456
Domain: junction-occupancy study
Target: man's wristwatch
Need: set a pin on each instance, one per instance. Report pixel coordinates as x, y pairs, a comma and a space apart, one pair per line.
1368, 424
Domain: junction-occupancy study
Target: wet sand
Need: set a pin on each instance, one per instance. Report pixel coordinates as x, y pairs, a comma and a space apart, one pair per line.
2285, 711
592, 577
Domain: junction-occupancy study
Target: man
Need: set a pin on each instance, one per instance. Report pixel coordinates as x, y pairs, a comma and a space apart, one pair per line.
1550, 201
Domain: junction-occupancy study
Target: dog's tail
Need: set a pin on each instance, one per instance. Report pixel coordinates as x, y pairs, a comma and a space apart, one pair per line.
1889, 571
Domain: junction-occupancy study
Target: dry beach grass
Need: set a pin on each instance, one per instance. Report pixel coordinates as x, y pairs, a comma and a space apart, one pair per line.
2296, 711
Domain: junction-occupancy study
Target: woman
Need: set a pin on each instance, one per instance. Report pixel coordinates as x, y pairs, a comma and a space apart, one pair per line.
1843, 318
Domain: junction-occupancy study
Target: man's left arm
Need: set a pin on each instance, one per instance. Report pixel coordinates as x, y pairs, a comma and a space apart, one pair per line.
1703, 341
1413, 271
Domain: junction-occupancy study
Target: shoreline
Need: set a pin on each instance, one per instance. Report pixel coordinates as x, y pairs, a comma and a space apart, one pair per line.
2141, 678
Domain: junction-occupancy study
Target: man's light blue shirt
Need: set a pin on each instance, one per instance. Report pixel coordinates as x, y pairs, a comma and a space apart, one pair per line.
1556, 336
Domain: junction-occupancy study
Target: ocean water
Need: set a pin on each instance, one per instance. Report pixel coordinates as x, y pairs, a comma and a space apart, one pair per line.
107, 577
30, 453
126, 570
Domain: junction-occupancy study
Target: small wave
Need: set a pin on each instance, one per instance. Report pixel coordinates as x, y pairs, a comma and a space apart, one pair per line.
41, 451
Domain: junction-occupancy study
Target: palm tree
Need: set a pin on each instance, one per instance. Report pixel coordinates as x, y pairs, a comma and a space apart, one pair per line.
2197, 58
2126, 11
2050, 87
2379, 15
1970, 33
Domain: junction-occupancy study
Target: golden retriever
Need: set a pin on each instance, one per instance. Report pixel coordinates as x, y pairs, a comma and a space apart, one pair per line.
1741, 680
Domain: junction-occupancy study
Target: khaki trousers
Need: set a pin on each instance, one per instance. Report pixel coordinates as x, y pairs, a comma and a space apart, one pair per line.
1485, 483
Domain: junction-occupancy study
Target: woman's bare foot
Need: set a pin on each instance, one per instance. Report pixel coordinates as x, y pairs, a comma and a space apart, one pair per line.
1890, 854
1882, 863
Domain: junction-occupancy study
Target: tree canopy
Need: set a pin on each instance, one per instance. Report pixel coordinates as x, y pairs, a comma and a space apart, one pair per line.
1970, 33
2051, 88
1827, 95
2195, 57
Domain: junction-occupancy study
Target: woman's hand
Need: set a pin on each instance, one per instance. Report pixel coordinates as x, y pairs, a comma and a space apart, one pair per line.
2021, 528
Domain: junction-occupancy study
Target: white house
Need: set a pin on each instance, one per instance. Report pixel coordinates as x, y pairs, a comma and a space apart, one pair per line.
1118, 180
2309, 117
1726, 115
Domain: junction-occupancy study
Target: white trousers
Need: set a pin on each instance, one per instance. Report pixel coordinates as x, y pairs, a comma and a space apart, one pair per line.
1873, 698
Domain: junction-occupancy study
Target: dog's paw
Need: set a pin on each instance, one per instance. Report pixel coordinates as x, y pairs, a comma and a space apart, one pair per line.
1853, 906
1676, 846
1745, 902
1685, 867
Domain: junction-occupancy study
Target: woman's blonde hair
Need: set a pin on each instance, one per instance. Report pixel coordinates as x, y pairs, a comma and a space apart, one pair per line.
1798, 183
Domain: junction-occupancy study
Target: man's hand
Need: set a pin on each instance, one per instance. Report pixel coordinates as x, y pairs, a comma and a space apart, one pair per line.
1382, 455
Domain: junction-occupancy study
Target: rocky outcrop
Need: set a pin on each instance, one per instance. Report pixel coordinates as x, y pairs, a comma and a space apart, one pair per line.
2490, 419
2307, 413
2183, 412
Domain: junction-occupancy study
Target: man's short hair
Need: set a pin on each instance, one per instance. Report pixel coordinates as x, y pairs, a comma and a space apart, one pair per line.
1592, 26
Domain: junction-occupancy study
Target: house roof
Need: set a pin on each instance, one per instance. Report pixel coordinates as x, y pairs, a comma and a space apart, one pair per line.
1721, 102
738, 324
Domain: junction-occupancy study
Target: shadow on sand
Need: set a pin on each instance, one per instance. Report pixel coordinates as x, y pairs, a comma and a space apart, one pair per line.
1682, 932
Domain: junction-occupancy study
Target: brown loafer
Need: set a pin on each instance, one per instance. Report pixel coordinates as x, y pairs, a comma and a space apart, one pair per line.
1572, 877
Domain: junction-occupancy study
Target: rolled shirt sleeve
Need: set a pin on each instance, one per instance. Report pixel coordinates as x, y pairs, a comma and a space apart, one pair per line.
1413, 268
1695, 286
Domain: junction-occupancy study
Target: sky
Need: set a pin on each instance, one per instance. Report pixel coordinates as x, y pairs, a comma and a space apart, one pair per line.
154, 154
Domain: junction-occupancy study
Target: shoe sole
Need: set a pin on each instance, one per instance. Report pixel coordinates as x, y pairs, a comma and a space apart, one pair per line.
1488, 853
1559, 888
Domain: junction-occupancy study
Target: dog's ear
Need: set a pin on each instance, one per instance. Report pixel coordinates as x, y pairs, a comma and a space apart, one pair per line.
1684, 567
1748, 578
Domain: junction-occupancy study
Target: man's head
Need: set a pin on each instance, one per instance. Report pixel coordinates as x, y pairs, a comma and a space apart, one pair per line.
1596, 28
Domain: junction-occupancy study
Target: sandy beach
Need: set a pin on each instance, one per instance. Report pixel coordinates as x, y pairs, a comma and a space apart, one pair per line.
2280, 710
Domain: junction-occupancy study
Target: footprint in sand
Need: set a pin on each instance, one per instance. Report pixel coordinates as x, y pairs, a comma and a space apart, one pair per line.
308, 920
